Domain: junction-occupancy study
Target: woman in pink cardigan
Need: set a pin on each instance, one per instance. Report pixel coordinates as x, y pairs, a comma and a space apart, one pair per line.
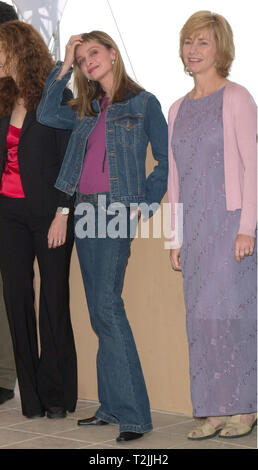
212, 158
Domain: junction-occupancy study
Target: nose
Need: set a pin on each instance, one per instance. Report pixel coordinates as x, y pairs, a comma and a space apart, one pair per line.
89, 63
193, 48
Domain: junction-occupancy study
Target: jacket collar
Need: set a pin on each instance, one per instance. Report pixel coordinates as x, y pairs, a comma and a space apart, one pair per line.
4, 124
128, 95
30, 117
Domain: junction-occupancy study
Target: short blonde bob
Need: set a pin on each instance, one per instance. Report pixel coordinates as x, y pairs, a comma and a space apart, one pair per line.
223, 35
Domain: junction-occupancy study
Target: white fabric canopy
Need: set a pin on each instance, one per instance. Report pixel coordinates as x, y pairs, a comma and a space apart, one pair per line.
44, 15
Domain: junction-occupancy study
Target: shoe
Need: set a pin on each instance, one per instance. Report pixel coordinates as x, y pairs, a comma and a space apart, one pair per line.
35, 416
56, 412
128, 436
5, 394
205, 431
93, 421
235, 428
72, 410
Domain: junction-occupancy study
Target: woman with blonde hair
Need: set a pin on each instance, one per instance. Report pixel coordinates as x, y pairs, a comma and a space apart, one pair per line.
32, 226
212, 171
113, 119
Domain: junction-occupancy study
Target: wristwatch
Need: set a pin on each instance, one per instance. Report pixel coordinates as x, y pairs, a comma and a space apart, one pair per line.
63, 210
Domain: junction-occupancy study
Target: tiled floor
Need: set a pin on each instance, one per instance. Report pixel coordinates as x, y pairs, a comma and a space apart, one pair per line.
18, 432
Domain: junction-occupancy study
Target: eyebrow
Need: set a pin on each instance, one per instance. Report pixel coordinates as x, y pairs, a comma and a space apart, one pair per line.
198, 39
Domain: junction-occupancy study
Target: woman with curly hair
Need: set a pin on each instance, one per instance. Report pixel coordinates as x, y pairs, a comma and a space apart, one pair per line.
33, 223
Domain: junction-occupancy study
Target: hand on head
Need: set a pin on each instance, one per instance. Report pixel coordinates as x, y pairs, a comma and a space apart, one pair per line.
69, 53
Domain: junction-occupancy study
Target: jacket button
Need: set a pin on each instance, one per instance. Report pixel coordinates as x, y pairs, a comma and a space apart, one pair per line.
91, 123
76, 168
69, 190
81, 143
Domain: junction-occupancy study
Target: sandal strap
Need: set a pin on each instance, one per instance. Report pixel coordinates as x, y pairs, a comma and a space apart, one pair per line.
204, 430
234, 427
235, 430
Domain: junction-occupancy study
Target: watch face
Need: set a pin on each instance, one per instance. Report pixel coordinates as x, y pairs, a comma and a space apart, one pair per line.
65, 211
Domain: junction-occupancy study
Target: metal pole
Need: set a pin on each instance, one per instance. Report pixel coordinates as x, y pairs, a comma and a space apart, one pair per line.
56, 45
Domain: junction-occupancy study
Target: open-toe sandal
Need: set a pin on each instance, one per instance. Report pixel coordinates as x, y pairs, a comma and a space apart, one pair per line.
205, 431
234, 428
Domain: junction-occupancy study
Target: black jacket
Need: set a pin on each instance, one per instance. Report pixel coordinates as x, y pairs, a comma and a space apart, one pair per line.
40, 153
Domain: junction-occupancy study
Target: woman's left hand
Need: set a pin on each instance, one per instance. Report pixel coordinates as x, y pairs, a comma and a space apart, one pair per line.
244, 246
57, 231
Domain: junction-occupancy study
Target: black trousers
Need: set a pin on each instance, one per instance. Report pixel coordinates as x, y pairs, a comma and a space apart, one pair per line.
47, 373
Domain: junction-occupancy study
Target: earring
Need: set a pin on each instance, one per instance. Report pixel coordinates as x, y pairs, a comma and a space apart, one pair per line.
113, 62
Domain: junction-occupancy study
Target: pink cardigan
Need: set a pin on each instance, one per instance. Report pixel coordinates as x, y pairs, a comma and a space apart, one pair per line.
240, 128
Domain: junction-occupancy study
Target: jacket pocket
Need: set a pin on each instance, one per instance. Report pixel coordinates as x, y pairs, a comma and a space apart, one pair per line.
127, 128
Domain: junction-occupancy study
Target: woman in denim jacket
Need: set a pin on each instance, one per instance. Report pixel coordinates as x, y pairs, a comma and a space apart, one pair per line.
112, 121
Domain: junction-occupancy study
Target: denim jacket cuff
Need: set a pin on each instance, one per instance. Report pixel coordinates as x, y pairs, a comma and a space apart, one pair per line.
57, 69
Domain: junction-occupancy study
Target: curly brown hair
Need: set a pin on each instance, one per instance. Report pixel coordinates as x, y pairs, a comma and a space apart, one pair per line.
24, 47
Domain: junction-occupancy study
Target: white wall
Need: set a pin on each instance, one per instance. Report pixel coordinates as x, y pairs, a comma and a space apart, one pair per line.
150, 31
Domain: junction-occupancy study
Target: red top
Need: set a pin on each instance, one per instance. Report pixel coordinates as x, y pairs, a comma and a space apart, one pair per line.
11, 184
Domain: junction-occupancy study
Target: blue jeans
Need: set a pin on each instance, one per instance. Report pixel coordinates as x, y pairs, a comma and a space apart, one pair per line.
121, 386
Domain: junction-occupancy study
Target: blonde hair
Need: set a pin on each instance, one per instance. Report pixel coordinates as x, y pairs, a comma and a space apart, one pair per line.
87, 91
223, 37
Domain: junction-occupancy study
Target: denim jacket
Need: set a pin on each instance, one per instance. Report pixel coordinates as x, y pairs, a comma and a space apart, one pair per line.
130, 125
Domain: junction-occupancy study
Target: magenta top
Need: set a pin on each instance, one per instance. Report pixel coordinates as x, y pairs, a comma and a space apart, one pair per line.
94, 176
11, 184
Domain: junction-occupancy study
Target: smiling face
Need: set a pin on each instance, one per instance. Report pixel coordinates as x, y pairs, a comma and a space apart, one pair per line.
95, 60
200, 52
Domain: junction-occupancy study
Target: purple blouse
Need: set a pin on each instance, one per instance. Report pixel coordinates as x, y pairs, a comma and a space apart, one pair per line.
94, 176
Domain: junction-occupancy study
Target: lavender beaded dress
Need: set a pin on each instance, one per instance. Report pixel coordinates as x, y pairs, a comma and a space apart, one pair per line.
219, 292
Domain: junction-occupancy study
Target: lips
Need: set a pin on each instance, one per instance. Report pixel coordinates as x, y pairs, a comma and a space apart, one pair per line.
93, 68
